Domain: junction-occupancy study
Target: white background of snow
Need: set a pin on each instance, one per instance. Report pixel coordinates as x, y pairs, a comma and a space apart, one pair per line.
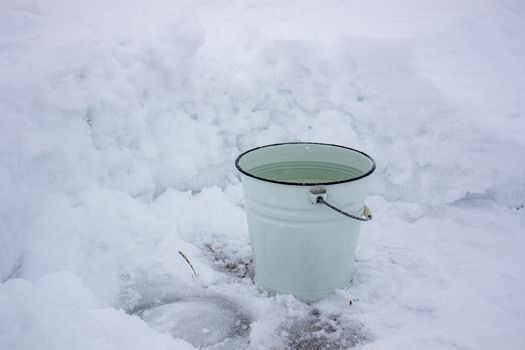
119, 126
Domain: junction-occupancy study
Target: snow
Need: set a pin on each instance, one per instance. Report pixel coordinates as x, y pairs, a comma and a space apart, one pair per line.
120, 122
59, 312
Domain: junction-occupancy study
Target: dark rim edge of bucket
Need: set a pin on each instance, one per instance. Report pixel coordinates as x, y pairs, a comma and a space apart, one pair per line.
300, 183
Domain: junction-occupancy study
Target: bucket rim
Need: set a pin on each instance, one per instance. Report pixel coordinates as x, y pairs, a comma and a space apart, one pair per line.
372, 169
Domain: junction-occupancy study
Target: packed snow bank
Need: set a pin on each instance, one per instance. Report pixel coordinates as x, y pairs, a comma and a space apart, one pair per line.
74, 111
121, 121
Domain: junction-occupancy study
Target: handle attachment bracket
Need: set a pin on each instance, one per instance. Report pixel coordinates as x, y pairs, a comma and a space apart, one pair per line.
318, 195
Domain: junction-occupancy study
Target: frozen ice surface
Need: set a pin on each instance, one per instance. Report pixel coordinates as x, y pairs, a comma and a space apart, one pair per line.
201, 321
120, 121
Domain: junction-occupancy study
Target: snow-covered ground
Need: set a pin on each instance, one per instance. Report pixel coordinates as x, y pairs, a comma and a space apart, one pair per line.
120, 121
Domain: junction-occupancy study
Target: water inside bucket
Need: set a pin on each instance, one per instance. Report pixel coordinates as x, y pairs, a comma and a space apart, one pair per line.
306, 172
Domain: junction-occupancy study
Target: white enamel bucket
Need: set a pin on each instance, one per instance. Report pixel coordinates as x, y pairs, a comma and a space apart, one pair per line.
304, 204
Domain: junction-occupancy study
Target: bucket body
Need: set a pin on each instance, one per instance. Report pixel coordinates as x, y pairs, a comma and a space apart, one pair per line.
300, 247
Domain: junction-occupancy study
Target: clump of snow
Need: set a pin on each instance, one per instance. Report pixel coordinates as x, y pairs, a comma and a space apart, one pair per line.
121, 121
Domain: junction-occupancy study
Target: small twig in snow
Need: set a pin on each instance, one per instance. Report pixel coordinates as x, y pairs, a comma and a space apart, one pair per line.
188, 261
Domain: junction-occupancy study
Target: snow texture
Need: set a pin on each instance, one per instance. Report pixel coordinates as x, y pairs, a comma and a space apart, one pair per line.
120, 122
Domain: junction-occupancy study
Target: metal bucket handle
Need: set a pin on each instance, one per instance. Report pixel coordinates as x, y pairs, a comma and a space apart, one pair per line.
318, 196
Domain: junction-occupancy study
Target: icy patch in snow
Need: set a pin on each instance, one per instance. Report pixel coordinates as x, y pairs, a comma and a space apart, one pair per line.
212, 322
316, 332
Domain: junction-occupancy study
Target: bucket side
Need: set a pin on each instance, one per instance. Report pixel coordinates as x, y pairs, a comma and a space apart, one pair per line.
301, 248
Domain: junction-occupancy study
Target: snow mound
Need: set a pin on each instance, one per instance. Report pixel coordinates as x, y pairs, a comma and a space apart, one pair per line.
59, 312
